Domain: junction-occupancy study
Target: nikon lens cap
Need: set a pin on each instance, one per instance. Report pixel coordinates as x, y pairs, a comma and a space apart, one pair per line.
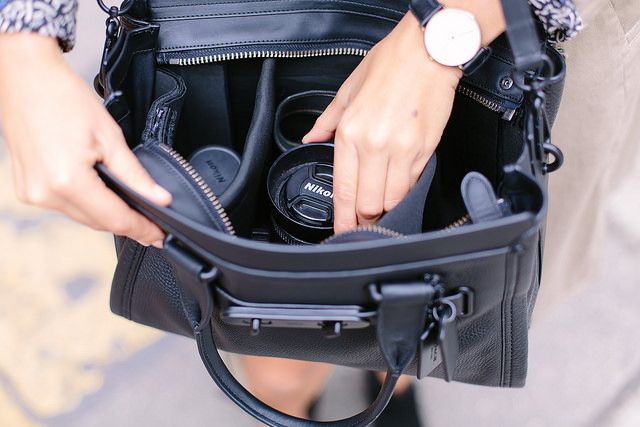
300, 186
217, 165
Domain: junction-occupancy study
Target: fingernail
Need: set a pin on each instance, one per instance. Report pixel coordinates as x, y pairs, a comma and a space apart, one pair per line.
161, 193
158, 244
305, 139
143, 243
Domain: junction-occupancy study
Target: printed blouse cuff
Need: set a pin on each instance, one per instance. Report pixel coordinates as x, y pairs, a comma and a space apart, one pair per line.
52, 18
560, 18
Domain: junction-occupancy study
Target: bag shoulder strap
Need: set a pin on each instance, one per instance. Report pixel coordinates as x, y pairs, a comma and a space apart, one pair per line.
522, 35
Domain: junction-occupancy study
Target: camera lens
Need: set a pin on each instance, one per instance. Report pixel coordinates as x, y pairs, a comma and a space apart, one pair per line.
296, 114
300, 187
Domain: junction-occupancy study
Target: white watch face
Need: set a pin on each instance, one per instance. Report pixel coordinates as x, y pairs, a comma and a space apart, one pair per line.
452, 37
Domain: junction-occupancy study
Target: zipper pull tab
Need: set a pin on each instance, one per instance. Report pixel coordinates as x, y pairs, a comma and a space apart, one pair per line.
480, 199
445, 316
429, 356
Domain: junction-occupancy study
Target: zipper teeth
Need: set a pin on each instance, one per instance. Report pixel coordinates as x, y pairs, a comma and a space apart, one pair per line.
378, 229
458, 223
230, 56
391, 233
492, 105
203, 186
207, 59
367, 228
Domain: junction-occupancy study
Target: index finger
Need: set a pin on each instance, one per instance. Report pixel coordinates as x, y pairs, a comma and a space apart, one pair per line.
345, 181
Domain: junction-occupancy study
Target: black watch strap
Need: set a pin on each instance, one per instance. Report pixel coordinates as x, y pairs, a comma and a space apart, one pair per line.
424, 9
477, 61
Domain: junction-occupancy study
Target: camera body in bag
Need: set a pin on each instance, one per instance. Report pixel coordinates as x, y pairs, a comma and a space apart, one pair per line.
213, 97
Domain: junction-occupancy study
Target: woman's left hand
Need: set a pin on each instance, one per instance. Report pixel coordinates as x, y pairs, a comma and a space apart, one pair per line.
386, 121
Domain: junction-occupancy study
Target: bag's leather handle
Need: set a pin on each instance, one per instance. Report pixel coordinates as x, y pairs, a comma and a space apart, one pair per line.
268, 415
401, 315
400, 323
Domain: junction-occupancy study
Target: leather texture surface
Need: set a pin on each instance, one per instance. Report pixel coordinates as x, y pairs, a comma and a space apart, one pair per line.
212, 27
172, 289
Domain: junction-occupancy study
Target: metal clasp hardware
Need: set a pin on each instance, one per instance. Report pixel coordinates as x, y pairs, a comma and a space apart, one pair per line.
108, 9
439, 341
537, 126
463, 300
112, 25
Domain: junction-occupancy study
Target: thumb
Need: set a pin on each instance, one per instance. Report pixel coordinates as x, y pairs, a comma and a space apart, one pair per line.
325, 126
119, 158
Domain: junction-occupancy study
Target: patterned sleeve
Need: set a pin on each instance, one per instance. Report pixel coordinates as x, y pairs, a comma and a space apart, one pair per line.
559, 17
53, 18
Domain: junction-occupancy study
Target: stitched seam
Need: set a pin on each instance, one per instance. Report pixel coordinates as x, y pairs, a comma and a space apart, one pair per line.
270, 12
127, 290
515, 272
162, 102
260, 1
476, 82
503, 344
127, 279
248, 42
141, 253
173, 93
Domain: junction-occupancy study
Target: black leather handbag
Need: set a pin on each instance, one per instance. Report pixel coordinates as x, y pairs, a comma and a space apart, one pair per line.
444, 285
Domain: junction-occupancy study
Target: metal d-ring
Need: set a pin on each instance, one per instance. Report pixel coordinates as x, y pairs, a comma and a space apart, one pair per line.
547, 72
114, 11
453, 312
558, 157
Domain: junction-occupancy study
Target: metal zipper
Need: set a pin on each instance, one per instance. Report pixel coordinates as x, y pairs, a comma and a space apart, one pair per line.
207, 59
507, 113
391, 233
195, 176
458, 223
371, 228
466, 219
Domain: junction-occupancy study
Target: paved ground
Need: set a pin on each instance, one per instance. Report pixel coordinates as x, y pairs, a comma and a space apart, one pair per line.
66, 361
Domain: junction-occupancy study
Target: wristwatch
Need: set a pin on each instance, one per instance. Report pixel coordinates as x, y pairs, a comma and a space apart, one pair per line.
451, 36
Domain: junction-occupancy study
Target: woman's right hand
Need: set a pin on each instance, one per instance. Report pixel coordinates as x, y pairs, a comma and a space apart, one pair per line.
56, 130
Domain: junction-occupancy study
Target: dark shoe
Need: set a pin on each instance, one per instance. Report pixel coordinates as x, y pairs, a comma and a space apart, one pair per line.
402, 410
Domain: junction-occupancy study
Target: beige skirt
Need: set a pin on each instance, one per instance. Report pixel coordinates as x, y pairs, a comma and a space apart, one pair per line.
598, 128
